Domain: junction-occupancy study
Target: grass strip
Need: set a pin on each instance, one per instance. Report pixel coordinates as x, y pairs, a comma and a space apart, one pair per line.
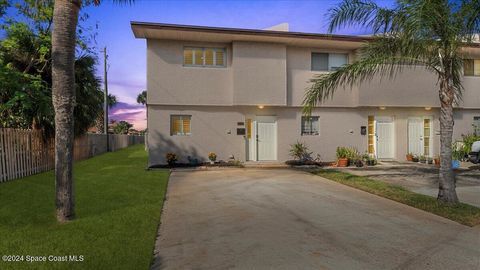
462, 213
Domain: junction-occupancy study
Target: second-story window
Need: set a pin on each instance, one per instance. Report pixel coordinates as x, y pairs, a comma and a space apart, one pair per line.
203, 57
328, 61
471, 67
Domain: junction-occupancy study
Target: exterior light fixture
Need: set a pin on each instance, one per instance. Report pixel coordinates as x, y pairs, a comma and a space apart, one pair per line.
260, 106
382, 107
428, 108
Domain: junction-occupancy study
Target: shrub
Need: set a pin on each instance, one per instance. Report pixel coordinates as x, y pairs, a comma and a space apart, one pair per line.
468, 140
350, 153
212, 156
299, 151
171, 158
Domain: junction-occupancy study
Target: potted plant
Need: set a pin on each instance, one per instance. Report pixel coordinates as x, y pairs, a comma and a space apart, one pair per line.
212, 157
429, 160
457, 156
171, 158
358, 163
372, 161
342, 156
415, 158
422, 159
409, 157
436, 161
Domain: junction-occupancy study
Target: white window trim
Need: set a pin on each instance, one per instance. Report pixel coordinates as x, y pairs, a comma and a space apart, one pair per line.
215, 50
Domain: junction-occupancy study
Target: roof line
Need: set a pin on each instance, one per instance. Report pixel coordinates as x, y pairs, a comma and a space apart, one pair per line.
228, 30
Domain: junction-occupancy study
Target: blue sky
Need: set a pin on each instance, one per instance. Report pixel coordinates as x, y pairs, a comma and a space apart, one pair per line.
127, 55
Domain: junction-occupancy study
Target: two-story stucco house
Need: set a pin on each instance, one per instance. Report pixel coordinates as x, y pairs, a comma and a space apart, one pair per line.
239, 92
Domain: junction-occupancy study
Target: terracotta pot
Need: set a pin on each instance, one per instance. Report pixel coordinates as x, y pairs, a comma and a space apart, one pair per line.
342, 162
409, 157
437, 162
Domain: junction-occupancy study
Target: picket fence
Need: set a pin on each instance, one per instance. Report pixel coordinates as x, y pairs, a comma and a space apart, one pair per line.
27, 152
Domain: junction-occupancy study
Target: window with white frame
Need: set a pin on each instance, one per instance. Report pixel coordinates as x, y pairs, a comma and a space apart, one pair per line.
328, 61
180, 124
204, 57
476, 125
310, 125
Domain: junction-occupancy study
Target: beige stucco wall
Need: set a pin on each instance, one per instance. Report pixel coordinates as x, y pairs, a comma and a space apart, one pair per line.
299, 73
274, 74
169, 82
214, 129
259, 73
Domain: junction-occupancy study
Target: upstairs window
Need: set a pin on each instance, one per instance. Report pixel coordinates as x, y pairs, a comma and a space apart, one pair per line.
204, 57
310, 125
328, 61
180, 124
471, 67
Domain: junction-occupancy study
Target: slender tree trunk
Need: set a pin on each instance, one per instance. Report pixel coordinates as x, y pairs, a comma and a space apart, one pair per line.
65, 18
446, 184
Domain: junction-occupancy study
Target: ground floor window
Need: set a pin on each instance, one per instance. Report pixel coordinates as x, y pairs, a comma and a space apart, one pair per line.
180, 124
310, 125
476, 125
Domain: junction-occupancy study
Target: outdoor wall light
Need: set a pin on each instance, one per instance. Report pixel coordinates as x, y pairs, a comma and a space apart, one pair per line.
382, 107
260, 106
428, 108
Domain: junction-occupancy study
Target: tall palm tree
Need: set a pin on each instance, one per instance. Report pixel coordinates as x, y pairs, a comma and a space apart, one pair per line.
427, 34
65, 20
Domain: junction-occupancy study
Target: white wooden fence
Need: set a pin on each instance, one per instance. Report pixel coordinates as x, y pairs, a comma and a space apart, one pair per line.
26, 152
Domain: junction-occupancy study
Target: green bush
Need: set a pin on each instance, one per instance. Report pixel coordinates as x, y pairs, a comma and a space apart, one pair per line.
299, 151
171, 158
468, 140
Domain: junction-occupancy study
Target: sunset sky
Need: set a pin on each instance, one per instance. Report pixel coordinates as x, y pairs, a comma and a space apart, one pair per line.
127, 55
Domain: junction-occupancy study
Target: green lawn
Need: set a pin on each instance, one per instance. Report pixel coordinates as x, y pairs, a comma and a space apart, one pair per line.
461, 213
118, 205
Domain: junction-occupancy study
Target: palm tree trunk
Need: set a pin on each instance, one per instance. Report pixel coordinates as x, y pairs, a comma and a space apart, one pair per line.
446, 188
65, 18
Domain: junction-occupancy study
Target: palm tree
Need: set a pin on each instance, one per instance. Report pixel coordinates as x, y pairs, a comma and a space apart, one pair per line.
65, 20
142, 97
427, 34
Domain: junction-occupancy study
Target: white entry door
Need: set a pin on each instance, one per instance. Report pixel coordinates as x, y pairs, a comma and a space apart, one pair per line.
385, 145
415, 136
266, 138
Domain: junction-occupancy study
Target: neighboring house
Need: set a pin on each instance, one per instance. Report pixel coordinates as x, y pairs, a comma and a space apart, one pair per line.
239, 92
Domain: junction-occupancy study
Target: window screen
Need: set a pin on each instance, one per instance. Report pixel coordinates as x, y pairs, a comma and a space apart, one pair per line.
328, 61
310, 125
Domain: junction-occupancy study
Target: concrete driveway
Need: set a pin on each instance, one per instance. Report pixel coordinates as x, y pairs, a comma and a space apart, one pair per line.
286, 219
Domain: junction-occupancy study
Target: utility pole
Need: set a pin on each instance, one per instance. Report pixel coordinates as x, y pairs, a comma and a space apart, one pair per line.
105, 95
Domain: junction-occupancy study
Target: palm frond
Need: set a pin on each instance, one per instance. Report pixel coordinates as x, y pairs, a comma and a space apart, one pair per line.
364, 13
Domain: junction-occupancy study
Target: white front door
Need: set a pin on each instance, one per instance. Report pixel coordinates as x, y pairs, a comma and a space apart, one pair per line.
415, 136
266, 138
385, 146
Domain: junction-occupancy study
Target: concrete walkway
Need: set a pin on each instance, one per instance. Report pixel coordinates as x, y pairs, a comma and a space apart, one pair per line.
423, 178
285, 219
